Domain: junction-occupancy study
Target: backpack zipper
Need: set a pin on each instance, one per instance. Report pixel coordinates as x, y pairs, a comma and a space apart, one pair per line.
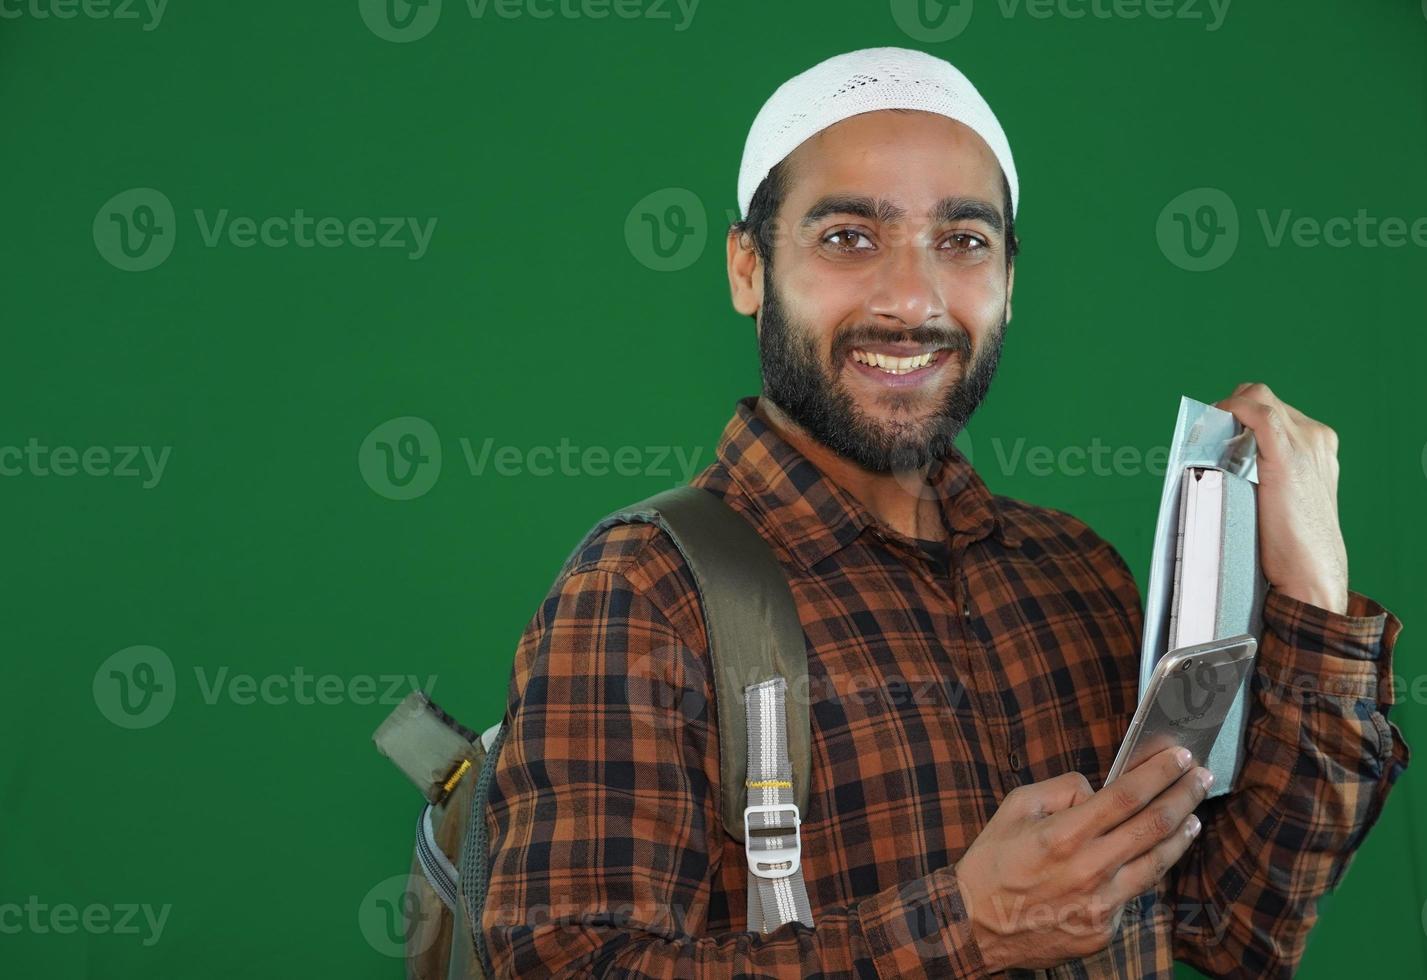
437, 868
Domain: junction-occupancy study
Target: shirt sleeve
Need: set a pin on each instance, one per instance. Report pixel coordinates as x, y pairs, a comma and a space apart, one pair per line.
1320, 759
604, 828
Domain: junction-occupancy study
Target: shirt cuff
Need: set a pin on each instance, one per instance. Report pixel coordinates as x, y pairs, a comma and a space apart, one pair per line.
921, 929
1345, 654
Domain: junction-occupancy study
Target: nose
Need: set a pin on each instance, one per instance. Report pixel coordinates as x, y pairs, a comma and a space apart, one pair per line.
906, 286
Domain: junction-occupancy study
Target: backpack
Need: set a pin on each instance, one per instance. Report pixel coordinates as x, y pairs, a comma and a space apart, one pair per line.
756, 651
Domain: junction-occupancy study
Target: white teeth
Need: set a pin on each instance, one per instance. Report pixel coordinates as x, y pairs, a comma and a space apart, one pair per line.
894, 365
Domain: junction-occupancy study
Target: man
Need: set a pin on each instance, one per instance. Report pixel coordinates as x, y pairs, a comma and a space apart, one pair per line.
973, 658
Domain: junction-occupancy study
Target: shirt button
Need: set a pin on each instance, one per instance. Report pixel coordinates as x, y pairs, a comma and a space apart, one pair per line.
1014, 761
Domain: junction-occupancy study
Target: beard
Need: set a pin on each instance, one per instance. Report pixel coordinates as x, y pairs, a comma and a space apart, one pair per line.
815, 396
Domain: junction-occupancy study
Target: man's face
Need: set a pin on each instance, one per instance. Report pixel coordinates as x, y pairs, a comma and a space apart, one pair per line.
890, 244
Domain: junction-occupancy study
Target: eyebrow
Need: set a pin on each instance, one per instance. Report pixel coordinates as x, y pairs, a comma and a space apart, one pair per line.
948, 209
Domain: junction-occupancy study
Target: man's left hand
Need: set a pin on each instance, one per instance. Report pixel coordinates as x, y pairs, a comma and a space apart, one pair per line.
1301, 545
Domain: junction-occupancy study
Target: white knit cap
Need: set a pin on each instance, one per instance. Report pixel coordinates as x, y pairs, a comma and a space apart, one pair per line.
863, 81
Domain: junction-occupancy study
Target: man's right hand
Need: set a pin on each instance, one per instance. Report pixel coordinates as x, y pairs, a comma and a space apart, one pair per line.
1048, 877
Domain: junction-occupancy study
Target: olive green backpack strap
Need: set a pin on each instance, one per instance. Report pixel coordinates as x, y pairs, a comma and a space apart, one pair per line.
758, 657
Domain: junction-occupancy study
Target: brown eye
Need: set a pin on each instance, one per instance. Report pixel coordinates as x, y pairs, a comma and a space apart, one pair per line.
847, 235
966, 242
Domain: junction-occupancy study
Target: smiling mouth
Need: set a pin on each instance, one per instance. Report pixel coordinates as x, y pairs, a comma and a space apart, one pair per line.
892, 364
906, 368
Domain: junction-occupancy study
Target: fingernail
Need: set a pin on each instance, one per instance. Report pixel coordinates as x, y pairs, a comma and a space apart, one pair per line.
1206, 778
1194, 825
1181, 756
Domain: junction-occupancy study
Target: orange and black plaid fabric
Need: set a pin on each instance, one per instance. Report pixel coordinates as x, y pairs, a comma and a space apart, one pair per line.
935, 688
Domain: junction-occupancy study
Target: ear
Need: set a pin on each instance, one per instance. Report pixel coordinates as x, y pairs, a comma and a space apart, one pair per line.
1010, 288
745, 273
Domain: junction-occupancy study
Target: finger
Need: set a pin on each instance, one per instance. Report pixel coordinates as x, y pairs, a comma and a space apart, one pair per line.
1259, 392
1053, 795
1129, 794
1155, 823
1145, 872
1271, 425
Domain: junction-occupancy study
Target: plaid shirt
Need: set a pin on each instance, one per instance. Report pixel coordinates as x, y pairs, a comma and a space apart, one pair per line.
935, 689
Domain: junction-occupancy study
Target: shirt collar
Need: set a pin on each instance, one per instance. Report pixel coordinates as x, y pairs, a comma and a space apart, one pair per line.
815, 517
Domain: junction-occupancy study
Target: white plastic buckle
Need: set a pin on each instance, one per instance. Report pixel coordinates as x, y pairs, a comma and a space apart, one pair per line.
792, 856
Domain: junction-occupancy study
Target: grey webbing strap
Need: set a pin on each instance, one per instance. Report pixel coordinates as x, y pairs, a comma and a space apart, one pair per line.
777, 893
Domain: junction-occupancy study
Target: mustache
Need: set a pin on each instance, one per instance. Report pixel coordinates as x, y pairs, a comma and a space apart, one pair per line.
956, 340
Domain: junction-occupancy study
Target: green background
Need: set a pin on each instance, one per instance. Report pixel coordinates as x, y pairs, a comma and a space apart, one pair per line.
533, 318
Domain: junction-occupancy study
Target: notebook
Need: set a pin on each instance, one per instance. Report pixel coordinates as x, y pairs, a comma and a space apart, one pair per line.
1205, 582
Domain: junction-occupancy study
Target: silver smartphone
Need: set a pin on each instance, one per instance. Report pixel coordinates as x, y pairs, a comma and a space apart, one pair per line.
1188, 696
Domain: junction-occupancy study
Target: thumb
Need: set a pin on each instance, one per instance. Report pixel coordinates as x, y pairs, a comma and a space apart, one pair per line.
1059, 793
